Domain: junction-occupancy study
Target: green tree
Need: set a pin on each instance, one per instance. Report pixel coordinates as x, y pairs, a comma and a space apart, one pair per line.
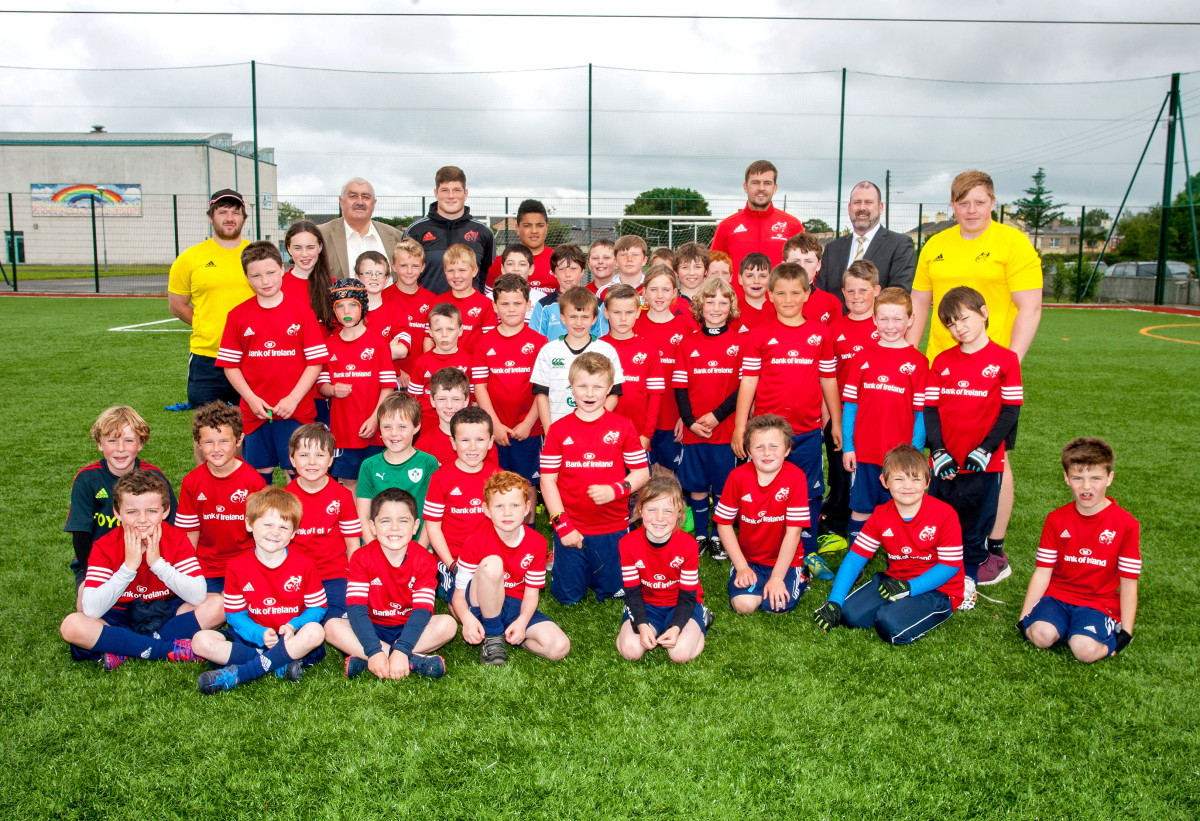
1037, 210
396, 222
683, 202
1139, 236
1180, 222
1096, 217
816, 225
288, 214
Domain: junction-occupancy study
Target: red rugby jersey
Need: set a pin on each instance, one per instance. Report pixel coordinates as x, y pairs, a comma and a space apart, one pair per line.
822, 307
968, 390
455, 499
664, 339
709, 367
764, 513
789, 362
108, 554
430, 363
329, 518
478, 316
540, 275
662, 570
366, 365
272, 347
411, 312
888, 384
643, 385
524, 565
391, 592
752, 317
215, 507
273, 596
851, 336
505, 365
437, 444
600, 452
932, 537
1090, 555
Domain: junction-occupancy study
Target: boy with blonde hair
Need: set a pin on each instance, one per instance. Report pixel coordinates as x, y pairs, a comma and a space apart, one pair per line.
407, 306
551, 382
475, 309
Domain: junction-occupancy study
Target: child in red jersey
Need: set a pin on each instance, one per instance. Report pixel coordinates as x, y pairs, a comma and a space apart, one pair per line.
1084, 590
768, 498
602, 265
475, 309
691, 267
144, 595
643, 381
789, 368
381, 314
501, 375
585, 485
357, 378
630, 252
852, 333
212, 498
805, 251
972, 406
720, 266
501, 573
274, 602
532, 225
329, 528
445, 329
389, 598
120, 433
923, 583
450, 391
517, 259
407, 306
883, 400
664, 330
400, 465
754, 276
660, 568
272, 350
454, 504
705, 382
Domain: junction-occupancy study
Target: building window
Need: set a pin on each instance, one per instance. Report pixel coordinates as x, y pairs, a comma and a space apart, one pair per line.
1056, 242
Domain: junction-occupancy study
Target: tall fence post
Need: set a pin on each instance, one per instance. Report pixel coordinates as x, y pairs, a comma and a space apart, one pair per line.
95, 248
887, 200
589, 164
254, 123
175, 219
13, 252
1160, 277
1079, 265
837, 230
920, 223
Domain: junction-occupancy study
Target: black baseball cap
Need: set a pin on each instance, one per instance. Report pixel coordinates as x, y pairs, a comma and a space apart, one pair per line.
226, 194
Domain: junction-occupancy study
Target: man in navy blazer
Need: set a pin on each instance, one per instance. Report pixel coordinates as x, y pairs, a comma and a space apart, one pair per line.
892, 253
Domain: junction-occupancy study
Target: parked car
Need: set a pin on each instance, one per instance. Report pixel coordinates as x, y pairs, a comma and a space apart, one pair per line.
1175, 270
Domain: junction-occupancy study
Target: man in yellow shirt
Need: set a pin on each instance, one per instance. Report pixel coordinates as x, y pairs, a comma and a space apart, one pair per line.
205, 284
998, 261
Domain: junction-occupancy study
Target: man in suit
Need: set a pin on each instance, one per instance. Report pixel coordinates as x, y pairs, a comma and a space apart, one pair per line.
891, 253
354, 231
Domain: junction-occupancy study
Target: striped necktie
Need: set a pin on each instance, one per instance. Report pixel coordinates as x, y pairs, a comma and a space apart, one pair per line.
858, 254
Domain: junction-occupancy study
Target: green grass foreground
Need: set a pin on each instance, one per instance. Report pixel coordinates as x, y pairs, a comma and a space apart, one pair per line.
774, 720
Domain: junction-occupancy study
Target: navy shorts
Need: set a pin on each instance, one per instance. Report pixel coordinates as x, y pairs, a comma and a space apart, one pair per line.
509, 612
794, 581
347, 461
975, 497
322, 406
388, 633
900, 622
866, 491
268, 445
522, 457
206, 382
143, 620
596, 565
1074, 620
664, 450
335, 596
660, 617
706, 465
806, 455
215, 584
445, 587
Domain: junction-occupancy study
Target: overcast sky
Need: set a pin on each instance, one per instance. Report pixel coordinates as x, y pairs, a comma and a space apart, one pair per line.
390, 113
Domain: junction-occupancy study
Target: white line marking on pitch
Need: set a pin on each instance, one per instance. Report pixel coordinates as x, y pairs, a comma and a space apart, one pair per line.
143, 326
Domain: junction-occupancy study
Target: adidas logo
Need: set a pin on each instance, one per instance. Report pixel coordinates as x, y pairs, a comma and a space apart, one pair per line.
1064, 535
946, 372
747, 498
211, 264
695, 353
491, 352
455, 492
376, 582
102, 494
568, 441
741, 229
888, 532
145, 654
249, 588
938, 258
640, 564
841, 338
249, 332
772, 341
202, 498
429, 237
1091, 629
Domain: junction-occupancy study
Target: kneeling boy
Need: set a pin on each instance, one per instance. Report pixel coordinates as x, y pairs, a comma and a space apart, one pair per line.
920, 536
144, 594
389, 598
501, 572
1084, 590
273, 602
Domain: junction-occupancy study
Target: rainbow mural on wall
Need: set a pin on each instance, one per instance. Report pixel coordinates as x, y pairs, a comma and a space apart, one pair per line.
75, 199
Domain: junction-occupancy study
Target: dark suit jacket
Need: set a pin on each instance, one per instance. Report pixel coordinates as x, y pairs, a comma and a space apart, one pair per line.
333, 234
892, 254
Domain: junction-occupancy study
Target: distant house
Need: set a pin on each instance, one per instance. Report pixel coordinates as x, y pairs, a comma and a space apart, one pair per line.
930, 224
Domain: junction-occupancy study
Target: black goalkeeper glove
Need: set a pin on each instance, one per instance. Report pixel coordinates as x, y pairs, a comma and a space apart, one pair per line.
828, 615
1123, 640
944, 466
894, 589
977, 460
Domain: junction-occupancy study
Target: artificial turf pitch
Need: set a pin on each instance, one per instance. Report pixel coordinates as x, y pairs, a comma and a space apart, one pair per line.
774, 720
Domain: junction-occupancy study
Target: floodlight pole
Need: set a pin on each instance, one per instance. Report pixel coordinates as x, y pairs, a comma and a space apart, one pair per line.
589, 161
1160, 276
1187, 170
837, 230
254, 121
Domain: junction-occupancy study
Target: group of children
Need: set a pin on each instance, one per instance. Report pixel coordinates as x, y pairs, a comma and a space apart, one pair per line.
447, 416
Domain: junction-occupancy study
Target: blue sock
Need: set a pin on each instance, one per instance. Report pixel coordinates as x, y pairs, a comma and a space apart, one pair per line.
853, 528
493, 626
239, 654
276, 659
972, 571
183, 626
125, 642
808, 536
699, 515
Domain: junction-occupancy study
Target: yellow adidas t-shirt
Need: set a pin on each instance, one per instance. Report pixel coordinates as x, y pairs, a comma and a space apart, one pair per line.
213, 279
998, 262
